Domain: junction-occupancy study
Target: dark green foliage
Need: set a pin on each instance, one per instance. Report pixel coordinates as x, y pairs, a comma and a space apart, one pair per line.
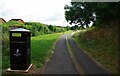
51, 27
74, 27
67, 28
58, 29
35, 28
81, 12
46, 30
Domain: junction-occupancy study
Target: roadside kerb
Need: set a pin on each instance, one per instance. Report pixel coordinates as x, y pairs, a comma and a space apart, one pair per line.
77, 65
107, 70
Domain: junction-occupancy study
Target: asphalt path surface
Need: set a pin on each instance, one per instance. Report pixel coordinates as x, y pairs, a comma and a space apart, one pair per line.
89, 66
61, 62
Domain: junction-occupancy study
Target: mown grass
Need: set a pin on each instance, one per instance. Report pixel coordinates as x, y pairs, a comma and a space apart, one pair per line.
101, 44
41, 50
42, 47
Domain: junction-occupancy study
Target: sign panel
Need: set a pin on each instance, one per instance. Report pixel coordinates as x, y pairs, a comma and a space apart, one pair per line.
16, 34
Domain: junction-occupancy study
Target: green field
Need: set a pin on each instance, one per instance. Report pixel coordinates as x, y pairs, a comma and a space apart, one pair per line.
41, 50
101, 44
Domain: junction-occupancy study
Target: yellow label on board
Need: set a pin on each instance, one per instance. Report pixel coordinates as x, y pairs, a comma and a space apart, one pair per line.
16, 34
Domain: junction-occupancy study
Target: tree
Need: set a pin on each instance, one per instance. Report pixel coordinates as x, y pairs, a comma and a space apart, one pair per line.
77, 14
67, 28
51, 27
82, 13
75, 27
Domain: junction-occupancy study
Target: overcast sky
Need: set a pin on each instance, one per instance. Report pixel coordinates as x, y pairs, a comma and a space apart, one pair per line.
44, 11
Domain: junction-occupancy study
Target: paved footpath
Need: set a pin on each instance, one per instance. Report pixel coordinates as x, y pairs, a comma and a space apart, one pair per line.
88, 65
61, 63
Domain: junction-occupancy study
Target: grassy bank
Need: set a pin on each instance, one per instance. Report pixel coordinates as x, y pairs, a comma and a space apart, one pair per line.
101, 44
41, 48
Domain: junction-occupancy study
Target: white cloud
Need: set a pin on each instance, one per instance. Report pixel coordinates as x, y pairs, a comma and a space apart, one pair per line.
46, 11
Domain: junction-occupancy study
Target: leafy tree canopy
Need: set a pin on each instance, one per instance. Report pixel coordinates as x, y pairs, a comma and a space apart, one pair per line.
82, 13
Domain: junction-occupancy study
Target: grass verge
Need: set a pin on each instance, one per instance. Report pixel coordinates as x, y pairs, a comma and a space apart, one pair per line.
42, 47
101, 44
